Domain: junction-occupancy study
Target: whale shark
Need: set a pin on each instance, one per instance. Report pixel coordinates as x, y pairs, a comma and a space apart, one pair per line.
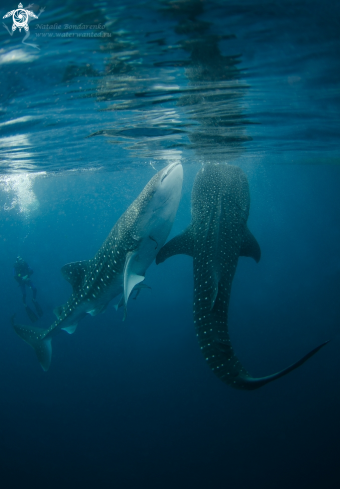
120, 264
217, 236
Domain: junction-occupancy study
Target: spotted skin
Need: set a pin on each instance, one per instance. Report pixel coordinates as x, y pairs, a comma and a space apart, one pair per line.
120, 264
216, 238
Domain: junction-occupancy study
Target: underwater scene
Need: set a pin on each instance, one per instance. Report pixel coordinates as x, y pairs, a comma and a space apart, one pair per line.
169, 244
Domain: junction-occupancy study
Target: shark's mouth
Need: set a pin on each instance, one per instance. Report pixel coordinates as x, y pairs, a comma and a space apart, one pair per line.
169, 170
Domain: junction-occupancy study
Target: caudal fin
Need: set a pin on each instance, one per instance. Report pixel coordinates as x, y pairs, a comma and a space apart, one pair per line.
35, 337
250, 383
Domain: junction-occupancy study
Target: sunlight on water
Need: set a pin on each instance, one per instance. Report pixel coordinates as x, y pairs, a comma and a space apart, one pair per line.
16, 56
13, 151
21, 194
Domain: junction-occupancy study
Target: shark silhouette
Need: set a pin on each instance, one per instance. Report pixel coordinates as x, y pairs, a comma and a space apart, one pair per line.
120, 264
216, 238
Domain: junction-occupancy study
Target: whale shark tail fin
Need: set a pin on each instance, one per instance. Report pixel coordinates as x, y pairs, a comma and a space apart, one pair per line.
35, 337
249, 383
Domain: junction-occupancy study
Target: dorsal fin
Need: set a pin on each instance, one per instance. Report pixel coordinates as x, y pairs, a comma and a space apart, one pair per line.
74, 273
183, 244
250, 246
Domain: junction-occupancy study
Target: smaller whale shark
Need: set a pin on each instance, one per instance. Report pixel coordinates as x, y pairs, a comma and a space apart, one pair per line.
216, 237
120, 264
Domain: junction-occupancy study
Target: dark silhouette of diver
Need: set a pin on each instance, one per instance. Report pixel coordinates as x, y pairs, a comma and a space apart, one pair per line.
22, 274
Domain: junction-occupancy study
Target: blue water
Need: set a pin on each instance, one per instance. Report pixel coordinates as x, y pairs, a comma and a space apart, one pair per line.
84, 124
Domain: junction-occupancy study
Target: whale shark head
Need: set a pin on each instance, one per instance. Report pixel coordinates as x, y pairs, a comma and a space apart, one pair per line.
160, 200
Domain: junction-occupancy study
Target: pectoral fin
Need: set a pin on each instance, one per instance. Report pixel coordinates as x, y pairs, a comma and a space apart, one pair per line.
70, 329
250, 246
131, 279
183, 244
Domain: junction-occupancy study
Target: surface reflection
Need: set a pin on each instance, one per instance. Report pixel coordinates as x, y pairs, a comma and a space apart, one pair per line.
167, 77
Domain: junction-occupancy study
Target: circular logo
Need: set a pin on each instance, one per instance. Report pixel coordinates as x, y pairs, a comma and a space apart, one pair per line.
20, 18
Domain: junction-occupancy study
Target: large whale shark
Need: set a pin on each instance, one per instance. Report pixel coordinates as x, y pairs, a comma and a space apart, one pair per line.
120, 264
216, 237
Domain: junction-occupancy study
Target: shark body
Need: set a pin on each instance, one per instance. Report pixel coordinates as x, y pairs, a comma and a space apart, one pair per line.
120, 264
216, 238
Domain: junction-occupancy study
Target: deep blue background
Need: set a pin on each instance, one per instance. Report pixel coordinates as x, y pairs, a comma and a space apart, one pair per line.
133, 404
